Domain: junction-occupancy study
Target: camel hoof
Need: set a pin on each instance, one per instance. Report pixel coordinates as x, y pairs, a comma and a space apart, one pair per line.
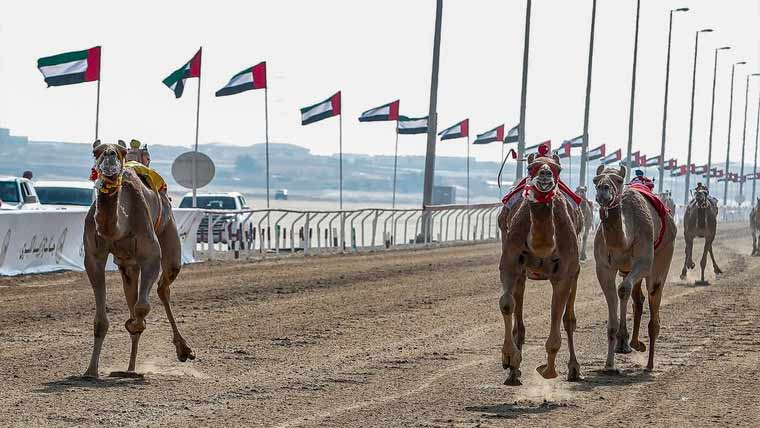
546, 372
691, 265
184, 352
514, 378
701, 283
90, 375
638, 345
574, 374
683, 276
511, 360
611, 371
623, 348
718, 271
126, 375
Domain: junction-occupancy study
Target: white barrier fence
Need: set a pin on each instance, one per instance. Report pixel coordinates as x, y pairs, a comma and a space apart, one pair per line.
276, 231
46, 241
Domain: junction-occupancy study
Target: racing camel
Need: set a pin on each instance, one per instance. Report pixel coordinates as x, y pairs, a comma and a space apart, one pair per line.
754, 224
135, 224
636, 239
539, 240
588, 219
700, 221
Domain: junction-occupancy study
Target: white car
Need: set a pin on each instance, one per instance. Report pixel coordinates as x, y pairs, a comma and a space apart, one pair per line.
223, 223
65, 194
17, 193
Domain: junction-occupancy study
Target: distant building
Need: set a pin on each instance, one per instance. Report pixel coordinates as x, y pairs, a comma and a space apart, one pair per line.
444, 195
6, 139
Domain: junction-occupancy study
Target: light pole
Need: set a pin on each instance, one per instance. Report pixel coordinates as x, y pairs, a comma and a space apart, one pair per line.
730, 119
633, 90
744, 139
523, 97
427, 189
665, 108
691, 117
757, 139
584, 148
712, 115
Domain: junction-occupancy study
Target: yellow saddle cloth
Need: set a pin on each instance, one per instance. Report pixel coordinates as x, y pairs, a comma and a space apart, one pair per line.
149, 175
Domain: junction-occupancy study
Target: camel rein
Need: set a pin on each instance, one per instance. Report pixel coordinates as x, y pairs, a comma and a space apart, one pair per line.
604, 210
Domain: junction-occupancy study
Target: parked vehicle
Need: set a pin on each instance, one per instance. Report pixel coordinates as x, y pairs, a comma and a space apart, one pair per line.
17, 193
281, 194
223, 223
65, 194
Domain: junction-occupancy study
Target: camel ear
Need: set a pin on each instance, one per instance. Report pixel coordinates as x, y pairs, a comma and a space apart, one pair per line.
122, 144
622, 171
596, 180
95, 144
97, 148
555, 157
599, 170
531, 157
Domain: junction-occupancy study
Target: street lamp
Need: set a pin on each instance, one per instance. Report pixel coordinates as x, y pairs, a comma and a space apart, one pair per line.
691, 118
633, 90
757, 139
730, 119
712, 115
744, 139
665, 109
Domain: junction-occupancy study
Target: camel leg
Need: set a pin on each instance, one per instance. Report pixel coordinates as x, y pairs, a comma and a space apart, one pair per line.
641, 266
655, 296
130, 275
96, 272
518, 330
511, 356
754, 242
638, 309
584, 242
560, 293
703, 261
716, 269
606, 277
573, 368
171, 264
688, 263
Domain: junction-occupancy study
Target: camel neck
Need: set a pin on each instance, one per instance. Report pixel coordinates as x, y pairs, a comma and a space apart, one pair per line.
541, 236
614, 229
107, 218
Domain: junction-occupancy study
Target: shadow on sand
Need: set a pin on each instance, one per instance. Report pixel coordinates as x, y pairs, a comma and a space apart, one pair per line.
600, 378
72, 383
516, 409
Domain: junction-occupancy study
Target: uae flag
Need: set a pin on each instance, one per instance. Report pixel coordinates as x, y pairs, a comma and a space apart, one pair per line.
678, 171
716, 172
564, 150
461, 129
613, 157
383, 113
534, 149
513, 135
597, 153
576, 142
653, 161
670, 164
700, 169
496, 134
412, 125
251, 78
322, 110
71, 67
176, 80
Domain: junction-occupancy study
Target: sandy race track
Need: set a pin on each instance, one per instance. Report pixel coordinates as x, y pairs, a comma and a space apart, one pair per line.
399, 339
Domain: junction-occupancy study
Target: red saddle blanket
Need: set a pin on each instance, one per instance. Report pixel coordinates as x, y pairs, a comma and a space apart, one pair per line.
660, 206
515, 195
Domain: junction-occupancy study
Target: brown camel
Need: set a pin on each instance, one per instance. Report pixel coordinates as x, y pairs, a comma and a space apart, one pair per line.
136, 225
667, 199
626, 243
700, 221
587, 208
754, 224
539, 240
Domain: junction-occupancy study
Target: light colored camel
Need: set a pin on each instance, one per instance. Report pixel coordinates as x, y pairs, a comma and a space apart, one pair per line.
587, 209
136, 226
625, 244
539, 239
700, 221
754, 224
667, 199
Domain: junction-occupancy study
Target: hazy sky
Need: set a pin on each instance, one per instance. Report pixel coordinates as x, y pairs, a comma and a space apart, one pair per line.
375, 52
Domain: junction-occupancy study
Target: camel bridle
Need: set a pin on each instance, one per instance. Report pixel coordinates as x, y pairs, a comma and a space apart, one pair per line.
535, 190
105, 184
614, 202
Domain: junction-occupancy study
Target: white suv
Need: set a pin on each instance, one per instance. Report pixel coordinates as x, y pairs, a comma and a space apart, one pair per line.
223, 223
17, 194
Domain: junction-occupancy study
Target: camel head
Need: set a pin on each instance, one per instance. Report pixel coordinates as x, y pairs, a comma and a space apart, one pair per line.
700, 197
109, 164
543, 175
609, 187
581, 191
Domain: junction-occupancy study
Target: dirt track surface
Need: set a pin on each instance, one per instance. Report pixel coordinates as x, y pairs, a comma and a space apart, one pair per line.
401, 339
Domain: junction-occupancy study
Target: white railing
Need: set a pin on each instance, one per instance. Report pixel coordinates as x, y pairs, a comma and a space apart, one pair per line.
277, 231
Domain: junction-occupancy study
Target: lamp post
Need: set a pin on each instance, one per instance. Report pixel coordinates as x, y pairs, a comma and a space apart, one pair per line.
665, 108
757, 139
691, 117
744, 139
584, 148
730, 119
712, 115
523, 96
633, 90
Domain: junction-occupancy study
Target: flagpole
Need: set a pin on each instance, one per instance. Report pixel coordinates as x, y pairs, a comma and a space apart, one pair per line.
395, 167
197, 123
340, 183
97, 102
266, 133
468, 185
570, 164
